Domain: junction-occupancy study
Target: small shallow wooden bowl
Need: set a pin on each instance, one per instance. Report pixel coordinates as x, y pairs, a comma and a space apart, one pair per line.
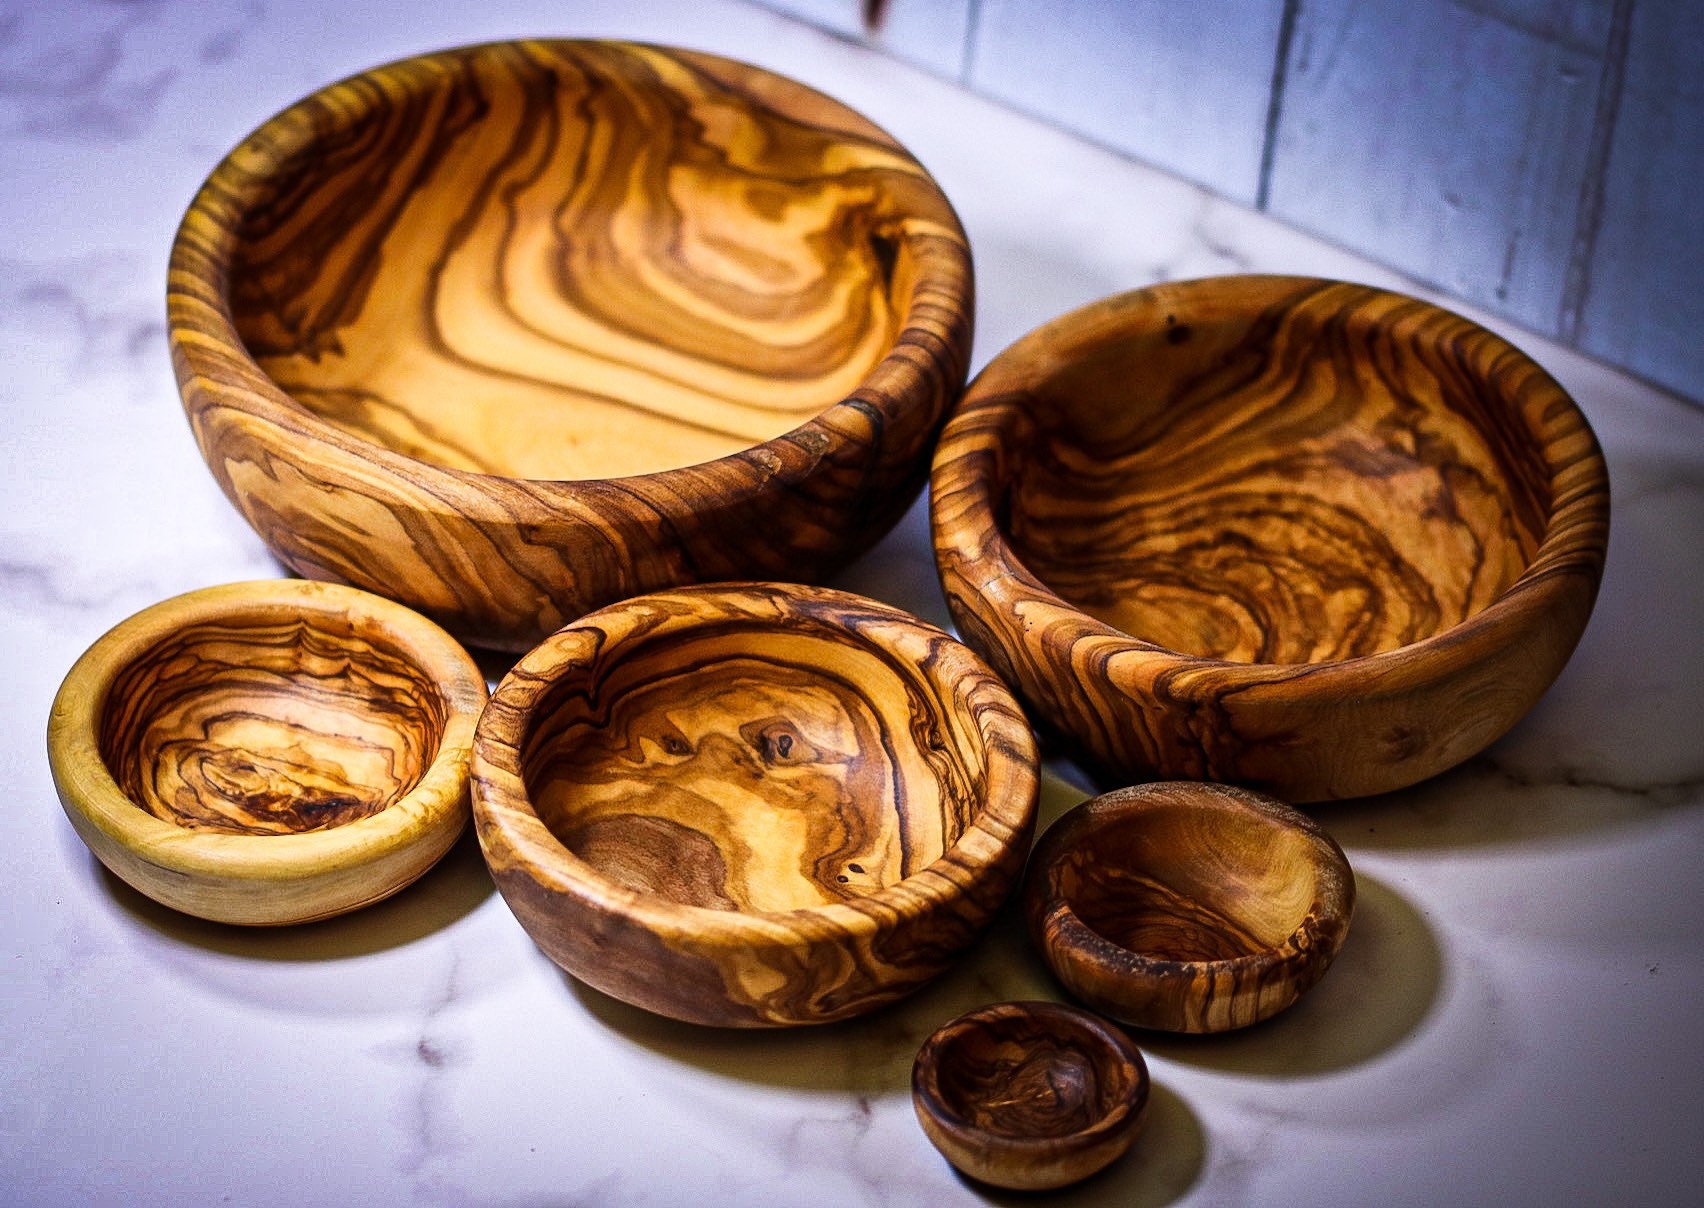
1030, 1095
1316, 538
514, 331
753, 805
270, 752
1188, 907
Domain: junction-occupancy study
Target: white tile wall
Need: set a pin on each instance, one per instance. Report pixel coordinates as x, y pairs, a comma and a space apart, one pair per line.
1447, 139
1643, 305
1543, 159
1182, 86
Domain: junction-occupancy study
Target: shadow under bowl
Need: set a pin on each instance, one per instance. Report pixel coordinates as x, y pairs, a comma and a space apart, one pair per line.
754, 804
1029, 1095
1188, 907
517, 330
1317, 538
270, 752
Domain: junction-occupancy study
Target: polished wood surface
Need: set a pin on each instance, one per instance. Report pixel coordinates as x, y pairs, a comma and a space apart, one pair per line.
1188, 907
268, 752
1029, 1095
753, 805
517, 330
1308, 536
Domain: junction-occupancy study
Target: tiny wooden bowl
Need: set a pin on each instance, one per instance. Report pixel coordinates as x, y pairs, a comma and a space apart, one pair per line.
270, 752
1030, 1095
514, 331
1316, 538
1188, 907
753, 805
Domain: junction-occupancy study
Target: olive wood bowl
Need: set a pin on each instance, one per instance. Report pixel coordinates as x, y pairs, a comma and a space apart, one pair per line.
1316, 538
267, 753
1188, 907
514, 331
1030, 1095
753, 805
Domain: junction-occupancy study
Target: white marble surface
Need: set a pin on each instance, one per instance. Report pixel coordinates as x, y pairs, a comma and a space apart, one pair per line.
1515, 1019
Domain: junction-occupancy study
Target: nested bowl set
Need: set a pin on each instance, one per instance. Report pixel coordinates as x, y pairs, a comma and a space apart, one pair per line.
603, 351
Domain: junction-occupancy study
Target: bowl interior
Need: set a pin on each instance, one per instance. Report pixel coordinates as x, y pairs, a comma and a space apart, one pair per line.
1008, 1076
570, 260
1297, 483
749, 767
264, 726
1180, 881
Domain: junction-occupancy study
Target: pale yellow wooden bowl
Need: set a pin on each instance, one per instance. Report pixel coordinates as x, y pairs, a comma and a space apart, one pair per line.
270, 752
753, 805
514, 331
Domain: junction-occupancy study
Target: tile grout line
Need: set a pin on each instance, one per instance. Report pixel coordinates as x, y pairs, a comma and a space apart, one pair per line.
1588, 213
1275, 101
972, 29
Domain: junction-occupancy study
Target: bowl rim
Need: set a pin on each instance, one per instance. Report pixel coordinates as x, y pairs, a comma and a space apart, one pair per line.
503, 809
93, 797
1124, 1117
1332, 903
209, 352
971, 543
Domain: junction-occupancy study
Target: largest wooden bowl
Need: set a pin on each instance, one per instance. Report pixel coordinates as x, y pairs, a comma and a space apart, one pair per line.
753, 805
514, 331
1305, 536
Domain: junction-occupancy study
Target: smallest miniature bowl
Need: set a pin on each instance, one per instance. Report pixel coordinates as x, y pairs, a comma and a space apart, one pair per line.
753, 805
268, 753
1030, 1095
1187, 907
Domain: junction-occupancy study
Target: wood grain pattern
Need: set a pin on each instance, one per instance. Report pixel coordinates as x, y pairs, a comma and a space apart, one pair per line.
268, 752
1313, 537
514, 331
1188, 907
1029, 1095
753, 805
248, 727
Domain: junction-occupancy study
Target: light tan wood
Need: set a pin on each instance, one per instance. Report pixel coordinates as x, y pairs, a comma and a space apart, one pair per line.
1308, 536
1188, 907
753, 805
269, 752
1030, 1095
514, 331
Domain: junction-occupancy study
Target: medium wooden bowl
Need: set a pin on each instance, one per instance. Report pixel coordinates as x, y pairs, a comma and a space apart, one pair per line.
1188, 907
753, 805
271, 752
1030, 1095
1312, 537
514, 331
